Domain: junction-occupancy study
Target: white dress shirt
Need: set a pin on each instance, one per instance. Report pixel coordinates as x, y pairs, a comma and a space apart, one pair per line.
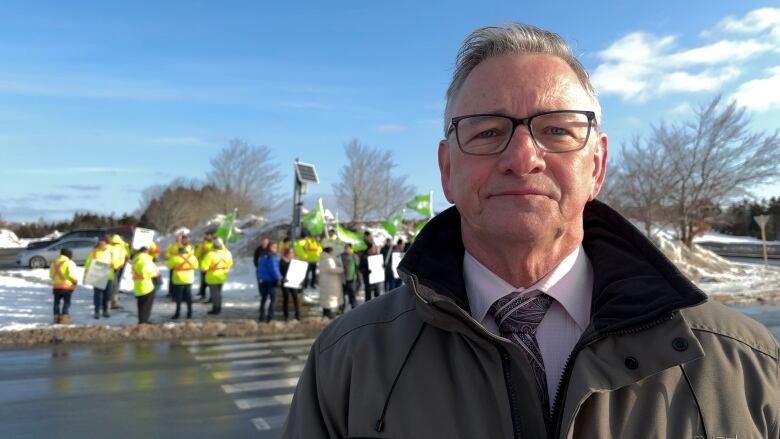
570, 284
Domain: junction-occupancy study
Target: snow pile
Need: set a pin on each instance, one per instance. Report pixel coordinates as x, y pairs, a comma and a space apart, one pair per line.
8, 239
720, 238
717, 276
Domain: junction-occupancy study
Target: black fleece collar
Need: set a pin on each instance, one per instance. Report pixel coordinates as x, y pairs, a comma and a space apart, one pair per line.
634, 283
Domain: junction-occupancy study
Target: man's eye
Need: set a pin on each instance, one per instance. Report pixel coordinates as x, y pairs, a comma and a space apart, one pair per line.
557, 131
487, 134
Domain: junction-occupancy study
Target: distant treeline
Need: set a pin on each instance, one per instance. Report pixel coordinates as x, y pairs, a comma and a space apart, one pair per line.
738, 218
81, 220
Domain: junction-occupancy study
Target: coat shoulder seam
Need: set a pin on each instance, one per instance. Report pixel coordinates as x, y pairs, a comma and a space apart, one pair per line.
721, 333
396, 317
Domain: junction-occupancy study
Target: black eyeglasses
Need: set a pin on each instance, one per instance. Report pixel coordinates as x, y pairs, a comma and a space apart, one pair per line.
552, 131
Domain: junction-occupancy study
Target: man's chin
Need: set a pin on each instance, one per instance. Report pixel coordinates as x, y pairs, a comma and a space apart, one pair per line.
520, 225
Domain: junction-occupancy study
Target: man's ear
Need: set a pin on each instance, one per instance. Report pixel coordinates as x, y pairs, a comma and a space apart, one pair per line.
600, 153
444, 167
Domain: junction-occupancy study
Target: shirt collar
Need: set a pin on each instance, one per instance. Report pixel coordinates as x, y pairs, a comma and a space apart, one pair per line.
570, 283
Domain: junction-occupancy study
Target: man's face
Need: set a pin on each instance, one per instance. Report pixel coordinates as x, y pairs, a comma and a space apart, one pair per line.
522, 194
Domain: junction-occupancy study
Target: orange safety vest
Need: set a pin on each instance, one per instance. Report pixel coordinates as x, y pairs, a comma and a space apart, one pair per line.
60, 281
137, 275
184, 266
218, 265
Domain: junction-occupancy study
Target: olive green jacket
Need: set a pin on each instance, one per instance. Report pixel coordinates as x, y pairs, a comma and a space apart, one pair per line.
657, 360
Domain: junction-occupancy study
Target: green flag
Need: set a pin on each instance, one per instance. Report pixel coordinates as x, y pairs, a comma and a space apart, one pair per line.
314, 221
350, 237
419, 228
421, 204
392, 223
226, 231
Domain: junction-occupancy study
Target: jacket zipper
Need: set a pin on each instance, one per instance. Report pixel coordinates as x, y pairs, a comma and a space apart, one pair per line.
564, 382
506, 365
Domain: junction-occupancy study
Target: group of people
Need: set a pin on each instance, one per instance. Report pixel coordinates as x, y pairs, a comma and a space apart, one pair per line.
211, 257
333, 267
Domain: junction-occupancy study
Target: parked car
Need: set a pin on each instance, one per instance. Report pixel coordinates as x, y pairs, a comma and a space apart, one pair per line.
44, 257
126, 232
95, 234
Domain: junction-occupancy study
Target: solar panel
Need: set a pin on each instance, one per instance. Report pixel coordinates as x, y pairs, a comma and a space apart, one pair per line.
306, 173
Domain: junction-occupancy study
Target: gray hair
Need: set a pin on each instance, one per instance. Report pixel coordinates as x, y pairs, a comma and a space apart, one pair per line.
515, 38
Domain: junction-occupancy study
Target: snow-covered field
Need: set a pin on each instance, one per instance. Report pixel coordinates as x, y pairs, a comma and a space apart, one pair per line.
26, 300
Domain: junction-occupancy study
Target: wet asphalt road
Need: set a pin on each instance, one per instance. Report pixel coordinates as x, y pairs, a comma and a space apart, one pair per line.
228, 388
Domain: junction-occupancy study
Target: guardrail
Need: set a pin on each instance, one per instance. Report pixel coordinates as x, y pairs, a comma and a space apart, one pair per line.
742, 249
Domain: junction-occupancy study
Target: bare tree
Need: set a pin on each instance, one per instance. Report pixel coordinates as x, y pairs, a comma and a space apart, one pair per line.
640, 185
367, 186
181, 203
246, 176
688, 169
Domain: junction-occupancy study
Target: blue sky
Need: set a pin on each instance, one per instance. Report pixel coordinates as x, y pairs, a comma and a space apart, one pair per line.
99, 100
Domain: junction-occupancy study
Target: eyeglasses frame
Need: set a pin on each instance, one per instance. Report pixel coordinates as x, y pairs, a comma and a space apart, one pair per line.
591, 115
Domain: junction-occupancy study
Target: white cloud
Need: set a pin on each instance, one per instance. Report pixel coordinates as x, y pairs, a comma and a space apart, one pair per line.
390, 128
705, 81
754, 22
641, 66
682, 108
73, 170
720, 52
760, 94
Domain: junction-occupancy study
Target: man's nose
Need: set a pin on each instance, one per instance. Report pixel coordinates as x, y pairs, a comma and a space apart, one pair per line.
521, 155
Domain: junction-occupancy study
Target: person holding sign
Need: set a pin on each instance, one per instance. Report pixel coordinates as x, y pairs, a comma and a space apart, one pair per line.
146, 282
330, 282
350, 263
182, 268
288, 292
102, 289
216, 265
63, 283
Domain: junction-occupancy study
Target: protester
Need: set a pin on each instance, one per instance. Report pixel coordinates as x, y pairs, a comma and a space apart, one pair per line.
203, 248
101, 296
350, 262
371, 290
309, 249
330, 282
530, 309
146, 283
120, 251
62, 275
172, 250
268, 277
182, 266
216, 264
288, 293
260, 250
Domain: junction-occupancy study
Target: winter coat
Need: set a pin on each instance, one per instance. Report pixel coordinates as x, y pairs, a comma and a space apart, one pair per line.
216, 264
62, 274
183, 268
268, 268
144, 271
330, 281
657, 359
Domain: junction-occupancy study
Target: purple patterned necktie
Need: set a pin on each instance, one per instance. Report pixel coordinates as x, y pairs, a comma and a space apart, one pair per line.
517, 319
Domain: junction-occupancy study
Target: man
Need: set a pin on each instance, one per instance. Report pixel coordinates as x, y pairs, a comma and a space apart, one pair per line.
268, 277
101, 297
371, 290
172, 250
350, 263
182, 267
146, 282
63, 277
216, 264
529, 309
309, 249
203, 248
120, 251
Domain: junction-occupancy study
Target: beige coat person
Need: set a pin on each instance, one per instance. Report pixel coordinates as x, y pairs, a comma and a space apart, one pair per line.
330, 280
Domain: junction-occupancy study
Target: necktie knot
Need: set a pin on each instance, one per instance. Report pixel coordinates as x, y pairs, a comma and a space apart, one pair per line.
516, 314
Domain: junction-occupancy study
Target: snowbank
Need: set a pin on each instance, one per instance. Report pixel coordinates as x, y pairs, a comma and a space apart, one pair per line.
8, 239
720, 278
729, 239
